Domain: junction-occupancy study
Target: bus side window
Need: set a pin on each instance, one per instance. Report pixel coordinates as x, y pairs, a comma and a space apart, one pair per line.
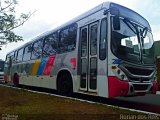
20, 55
68, 38
15, 56
103, 40
7, 61
27, 52
37, 49
50, 44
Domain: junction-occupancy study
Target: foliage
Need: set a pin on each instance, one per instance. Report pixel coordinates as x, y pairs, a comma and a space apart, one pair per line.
9, 21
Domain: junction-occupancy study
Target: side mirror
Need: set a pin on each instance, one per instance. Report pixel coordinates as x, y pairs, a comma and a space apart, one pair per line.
116, 23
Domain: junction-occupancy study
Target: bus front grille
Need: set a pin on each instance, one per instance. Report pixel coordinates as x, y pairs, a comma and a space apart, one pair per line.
139, 71
140, 87
139, 79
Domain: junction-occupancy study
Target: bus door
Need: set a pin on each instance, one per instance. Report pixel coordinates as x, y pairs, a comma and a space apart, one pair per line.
88, 48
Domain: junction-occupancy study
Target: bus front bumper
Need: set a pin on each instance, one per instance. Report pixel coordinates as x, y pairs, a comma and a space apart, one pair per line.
117, 87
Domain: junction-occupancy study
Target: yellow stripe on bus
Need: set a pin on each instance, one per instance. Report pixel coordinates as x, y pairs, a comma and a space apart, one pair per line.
36, 66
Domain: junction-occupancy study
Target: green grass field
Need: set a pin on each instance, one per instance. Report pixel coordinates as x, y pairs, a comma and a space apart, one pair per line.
24, 105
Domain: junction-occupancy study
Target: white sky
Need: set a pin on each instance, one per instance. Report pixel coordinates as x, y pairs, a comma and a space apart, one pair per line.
52, 13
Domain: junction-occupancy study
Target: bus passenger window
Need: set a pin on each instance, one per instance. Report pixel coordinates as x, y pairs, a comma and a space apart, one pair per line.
15, 57
9, 59
27, 52
103, 40
50, 45
20, 55
37, 49
68, 38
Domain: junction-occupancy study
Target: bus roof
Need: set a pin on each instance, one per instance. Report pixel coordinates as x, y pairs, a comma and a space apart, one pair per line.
104, 5
91, 11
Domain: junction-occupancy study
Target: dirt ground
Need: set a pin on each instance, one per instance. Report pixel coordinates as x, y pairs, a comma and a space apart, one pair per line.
24, 105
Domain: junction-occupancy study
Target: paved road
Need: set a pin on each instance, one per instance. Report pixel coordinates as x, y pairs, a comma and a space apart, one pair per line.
149, 103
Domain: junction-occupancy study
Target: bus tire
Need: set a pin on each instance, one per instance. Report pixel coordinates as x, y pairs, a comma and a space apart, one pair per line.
65, 86
16, 79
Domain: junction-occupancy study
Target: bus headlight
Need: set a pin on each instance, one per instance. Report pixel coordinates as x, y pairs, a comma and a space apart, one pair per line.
122, 77
119, 73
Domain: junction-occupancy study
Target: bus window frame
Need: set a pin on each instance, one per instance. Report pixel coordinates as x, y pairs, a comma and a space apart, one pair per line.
61, 48
106, 39
44, 43
31, 44
22, 48
38, 40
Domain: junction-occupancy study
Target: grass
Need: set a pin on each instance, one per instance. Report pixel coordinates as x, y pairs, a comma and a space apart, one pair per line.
24, 105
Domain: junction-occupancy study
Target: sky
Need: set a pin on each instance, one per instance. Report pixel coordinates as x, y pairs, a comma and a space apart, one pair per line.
52, 13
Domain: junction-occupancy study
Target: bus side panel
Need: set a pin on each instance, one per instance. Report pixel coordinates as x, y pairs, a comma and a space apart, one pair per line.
49, 65
68, 62
102, 80
37, 67
42, 66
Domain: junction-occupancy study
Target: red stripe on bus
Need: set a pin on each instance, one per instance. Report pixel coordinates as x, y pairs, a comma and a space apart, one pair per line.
116, 87
6, 78
73, 61
154, 87
49, 65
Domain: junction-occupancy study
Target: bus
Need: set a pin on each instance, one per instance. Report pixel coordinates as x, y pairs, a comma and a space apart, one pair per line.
107, 51
1, 70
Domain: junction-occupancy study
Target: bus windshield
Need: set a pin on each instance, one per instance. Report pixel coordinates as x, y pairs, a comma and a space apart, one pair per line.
148, 49
128, 44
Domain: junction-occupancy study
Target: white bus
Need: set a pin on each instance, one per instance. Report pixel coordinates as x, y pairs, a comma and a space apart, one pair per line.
107, 51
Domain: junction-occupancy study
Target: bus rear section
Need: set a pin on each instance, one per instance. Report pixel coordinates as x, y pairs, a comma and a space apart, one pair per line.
1, 71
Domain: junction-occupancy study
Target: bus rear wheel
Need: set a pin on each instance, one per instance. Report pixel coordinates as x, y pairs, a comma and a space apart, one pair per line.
65, 86
16, 79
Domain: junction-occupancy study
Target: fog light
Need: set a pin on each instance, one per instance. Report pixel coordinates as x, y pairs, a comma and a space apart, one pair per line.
122, 77
118, 71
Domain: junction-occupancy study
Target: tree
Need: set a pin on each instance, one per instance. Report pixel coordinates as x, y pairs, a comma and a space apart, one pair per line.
10, 21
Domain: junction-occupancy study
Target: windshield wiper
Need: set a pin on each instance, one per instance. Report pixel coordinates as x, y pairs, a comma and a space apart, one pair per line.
136, 31
131, 25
